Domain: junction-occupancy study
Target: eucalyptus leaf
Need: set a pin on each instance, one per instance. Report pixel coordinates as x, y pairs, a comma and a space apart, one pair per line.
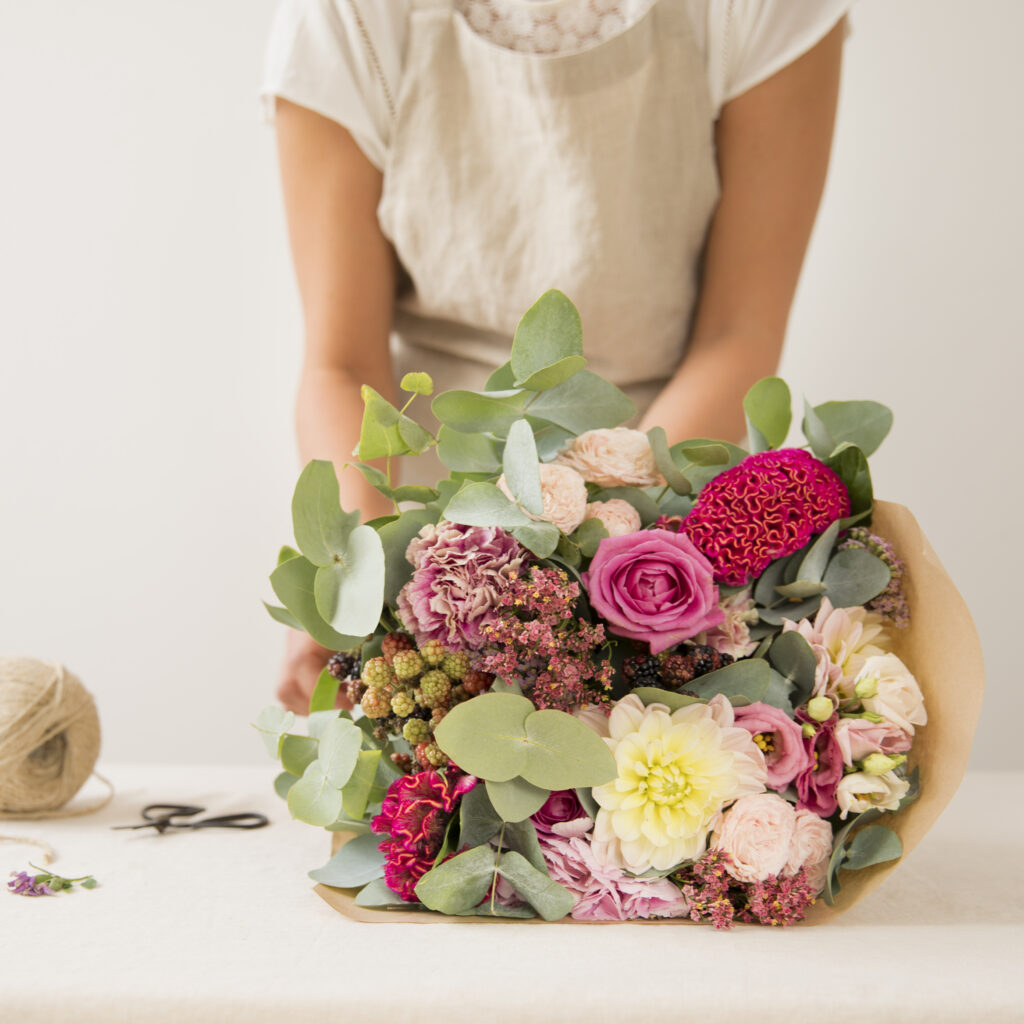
695, 456
521, 467
359, 861
286, 554
375, 478
355, 794
516, 799
563, 753
416, 438
395, 537
377, 894
850, 464
666, 466
521, 836
487, 413
800, 590
272, 723
792, 657
483, 504
479, 822
551, 900
340, 744
502, 379
567, 552
584, 402
297, 753
769, 413
349, 592
550, 440
313, 799
467, 453
865, 424
282, 783
541, 538
552, 376
325, 693
746, 678
874, 844
589, 535
854, 577
418, 383
293, 582
458, 884
773, 576
486, 736
832, 885
586, 798
318, 721
283, 616
523, 911
379, 436
548, 333
813, 563
673, 701
321, 527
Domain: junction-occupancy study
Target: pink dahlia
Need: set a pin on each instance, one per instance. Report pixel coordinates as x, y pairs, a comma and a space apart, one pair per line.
414, 815
765, 508
460, 575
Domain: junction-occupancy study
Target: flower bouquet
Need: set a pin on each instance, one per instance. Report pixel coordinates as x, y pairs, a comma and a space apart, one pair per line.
599, 676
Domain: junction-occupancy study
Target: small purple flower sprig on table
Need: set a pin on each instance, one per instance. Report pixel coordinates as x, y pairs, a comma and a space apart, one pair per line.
45, 883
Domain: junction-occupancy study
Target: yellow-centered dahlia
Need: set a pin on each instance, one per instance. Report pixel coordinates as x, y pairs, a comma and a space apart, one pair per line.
677, 772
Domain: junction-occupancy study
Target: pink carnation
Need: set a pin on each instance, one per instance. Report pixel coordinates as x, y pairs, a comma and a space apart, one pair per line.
765, 508
414, 816
460, 575
604, 892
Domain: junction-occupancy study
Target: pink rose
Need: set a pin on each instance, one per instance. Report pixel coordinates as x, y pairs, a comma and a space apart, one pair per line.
564, 495
779, 737
756, 832
857, 737
618, 517
616, 457
810, 849
653, 586
562, 815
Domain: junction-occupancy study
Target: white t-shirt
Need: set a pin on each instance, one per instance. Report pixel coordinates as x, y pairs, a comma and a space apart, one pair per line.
343, 58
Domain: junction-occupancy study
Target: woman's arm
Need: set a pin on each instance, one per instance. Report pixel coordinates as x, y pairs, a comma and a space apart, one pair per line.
773, 147
346, 275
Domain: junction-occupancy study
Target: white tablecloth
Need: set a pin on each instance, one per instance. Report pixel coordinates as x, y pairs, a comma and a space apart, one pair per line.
219, 926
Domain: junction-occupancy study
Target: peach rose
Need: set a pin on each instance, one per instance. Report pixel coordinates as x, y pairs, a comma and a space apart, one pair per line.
564, 495
811, 848
756, 833
618, 517
616, 457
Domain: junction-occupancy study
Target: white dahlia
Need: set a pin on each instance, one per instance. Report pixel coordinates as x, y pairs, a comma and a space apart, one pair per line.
677, 772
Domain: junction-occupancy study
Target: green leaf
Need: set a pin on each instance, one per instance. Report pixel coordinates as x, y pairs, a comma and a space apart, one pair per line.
800, 590
551, 900
340, 744
849, 463
813, 564
472, 413
747, 678
821, 441
272, 723
550, 440
321, 527
874, 844
282, 783
286, 554
524, 911
540, 538
313, 799
552, 376
516, 799
467, 453
418, 383
458, 884
673, 701
293, 582
769, 413
864, 424
854, 577
548, 335
663, 460
283, 616
416, 438
349, 593
355, 795
317, 722
375, 478
377, 894
483, 504
699, 458
379, 437
89, 883
521, 468
521, 836
588, 536
479, 822
832, 885
791, 656
583, 402
395, 537
502, 379
325, 693
486, 736
356, 863
297, 753
563, 753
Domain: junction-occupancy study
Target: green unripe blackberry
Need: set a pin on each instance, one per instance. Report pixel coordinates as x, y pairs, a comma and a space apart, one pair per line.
407, 664
456, 665
430, 755
435, 688
402, 704
433, 652
375, 704
377, 672
416, 731
393, 643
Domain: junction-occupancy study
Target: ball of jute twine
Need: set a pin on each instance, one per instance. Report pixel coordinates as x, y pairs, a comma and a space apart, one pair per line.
49, 740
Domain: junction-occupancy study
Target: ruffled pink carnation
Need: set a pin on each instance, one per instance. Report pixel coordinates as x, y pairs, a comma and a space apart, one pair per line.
765, 508
604, 892
414, 816
460, 575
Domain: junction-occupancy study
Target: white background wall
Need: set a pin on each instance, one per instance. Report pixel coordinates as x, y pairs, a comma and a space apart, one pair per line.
150, 337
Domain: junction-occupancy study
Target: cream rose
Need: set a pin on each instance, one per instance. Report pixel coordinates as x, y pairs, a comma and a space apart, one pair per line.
618, 517
859, 791
756, 833
810, 848
616, 457
897, 696
564, 495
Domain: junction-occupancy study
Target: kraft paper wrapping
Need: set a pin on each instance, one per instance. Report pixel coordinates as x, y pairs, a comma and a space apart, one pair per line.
942, 649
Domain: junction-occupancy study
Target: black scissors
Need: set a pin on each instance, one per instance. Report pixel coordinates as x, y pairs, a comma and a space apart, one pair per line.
161, 817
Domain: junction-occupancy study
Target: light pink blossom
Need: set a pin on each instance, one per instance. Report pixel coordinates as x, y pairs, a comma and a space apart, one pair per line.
564, 495
618, 517
781, 739
857, 738
732, 636
756, 833
810, 848
616, 457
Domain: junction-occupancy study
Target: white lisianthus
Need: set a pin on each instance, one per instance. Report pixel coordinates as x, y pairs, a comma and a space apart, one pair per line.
897, 697
677, 772
860, 791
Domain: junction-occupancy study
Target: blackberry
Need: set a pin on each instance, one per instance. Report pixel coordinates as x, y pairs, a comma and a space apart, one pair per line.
435, 688
407, 664
476, 682
430, 755
343, 665
375, 704
705, 659
416, 731
403, 762
433, 652
642, 670
402, 704
395, 642
456, 665
355, 689
377, 672
676, 670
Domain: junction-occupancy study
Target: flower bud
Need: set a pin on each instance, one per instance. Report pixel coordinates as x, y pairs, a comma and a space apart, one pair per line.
879, 764
820, 708
870, 716
867, 687
808, 730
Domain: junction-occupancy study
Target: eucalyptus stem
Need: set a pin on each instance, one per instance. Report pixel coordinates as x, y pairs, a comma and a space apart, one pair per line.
497, 860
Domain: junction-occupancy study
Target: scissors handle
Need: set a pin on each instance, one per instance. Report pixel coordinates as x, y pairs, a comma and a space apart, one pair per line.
248, 819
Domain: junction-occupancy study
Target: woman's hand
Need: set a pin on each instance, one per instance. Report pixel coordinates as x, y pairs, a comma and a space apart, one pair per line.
304, 660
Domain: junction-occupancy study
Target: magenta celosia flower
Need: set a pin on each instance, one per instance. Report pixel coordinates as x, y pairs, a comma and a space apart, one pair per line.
765, 508
816, 784
460, 575
414, 815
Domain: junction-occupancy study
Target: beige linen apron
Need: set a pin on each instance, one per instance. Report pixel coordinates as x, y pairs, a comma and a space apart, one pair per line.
512, 173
